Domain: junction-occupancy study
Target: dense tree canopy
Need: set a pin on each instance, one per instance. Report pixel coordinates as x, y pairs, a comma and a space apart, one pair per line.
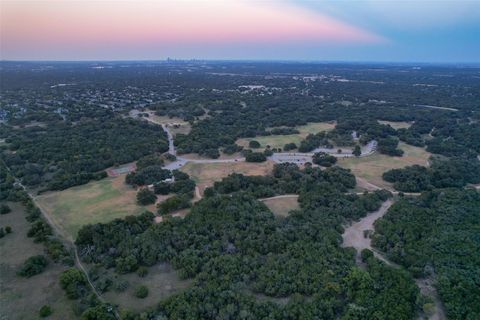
69, 154
437, 235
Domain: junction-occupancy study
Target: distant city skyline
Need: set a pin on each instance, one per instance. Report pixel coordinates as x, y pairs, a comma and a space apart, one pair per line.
363, 30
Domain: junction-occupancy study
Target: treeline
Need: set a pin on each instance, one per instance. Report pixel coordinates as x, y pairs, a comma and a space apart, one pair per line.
436, 235
455, 172
67, 154
286, 178
447, 133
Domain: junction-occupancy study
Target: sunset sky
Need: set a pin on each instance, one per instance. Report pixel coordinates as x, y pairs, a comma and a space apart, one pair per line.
362, 30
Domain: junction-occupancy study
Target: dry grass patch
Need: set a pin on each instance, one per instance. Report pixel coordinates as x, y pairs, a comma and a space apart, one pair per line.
372, 167
175, 125
94, 202
279, 141
282, 206
397, 124
21, 298
205, 174
162, 281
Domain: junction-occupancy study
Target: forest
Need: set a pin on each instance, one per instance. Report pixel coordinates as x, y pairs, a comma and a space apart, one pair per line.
235, 249
68, 154
437, 235
443, 173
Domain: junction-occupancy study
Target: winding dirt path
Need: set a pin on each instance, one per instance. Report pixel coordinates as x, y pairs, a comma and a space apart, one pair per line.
66, 239
354, 236
280, 197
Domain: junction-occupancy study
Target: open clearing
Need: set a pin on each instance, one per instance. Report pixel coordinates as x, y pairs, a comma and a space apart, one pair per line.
175, 125
94, 202
279, 141
21, 298
162, 281
281, 206
397, 124
354, 236
372, 167
205, 174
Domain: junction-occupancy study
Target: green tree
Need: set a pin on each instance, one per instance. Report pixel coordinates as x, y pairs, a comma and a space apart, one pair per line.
357, 152
146, 197
33, 266
254, 144
73, 281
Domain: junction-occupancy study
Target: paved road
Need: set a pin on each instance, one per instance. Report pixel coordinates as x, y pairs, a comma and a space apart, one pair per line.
302, 158
279, 157
434, 107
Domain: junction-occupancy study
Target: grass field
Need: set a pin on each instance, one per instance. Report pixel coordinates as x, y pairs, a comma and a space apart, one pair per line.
162, 281
21, 298
282, 206
205, 174
97, 201
180, 126
397, 124
278, 141
372, 167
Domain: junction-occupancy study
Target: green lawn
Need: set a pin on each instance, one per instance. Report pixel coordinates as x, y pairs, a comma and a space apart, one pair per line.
97, 201
372, 167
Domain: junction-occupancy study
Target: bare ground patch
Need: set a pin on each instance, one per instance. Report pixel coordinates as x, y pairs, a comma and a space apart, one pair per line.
205, 174
281, 206
162, 281
397, 124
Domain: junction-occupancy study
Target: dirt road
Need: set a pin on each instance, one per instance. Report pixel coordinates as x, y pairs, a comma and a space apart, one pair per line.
354, 234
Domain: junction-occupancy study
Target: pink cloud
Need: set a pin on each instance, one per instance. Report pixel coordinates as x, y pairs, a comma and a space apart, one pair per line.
86, 24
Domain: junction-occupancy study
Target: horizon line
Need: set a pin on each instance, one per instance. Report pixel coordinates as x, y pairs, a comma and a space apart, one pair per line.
326, 61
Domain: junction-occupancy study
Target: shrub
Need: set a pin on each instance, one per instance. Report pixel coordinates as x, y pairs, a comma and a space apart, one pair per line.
324, 159
45, 311
39, 231
32, 266
142, 272
4, 209
366, 255
8, 229
289, 146
73, 282
357, 152
173, 203
254, 144
141, 292
255, 157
